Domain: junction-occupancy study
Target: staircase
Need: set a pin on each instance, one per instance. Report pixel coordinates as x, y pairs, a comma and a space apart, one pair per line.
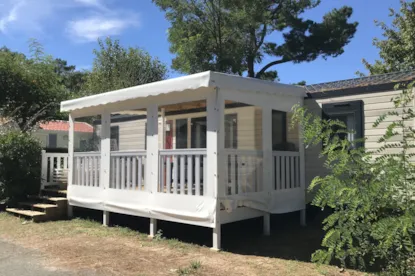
51, 204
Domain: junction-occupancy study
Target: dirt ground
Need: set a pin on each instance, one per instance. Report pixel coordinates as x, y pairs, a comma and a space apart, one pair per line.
83, 244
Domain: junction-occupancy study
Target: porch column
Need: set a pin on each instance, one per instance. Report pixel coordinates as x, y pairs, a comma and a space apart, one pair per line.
105, 158
302, 170
70, 161
152, 164
267, 162
214, 145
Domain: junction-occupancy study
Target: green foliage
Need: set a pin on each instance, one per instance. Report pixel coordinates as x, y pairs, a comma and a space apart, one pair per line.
20, 172
397, 49
371, 193
231, 35
116, 67
31, 91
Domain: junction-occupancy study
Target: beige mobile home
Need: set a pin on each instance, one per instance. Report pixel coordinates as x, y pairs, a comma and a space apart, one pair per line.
209, 149
358, 103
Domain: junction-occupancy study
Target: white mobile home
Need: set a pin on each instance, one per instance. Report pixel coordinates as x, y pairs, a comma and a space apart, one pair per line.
205, 149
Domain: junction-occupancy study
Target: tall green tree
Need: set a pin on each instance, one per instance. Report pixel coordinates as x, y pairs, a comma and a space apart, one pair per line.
116, 67
397, 49
31, 90
234, 36
72, 79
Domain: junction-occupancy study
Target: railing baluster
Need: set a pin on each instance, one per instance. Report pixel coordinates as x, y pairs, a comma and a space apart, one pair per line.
283, 182
292, 168
233, 175
168, 174
175, 174
91, 171
287, 172
117, 173
182, 178
128, 184
204, 180
189, 174
134, 173
123, 184
140, 172
79, 172
197, 175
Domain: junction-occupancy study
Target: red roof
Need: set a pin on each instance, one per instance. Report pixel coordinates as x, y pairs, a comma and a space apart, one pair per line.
64, 126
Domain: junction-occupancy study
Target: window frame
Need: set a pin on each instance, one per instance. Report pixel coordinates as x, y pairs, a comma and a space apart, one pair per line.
345, 108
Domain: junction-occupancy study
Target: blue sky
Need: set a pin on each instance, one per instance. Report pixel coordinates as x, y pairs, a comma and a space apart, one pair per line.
68, 29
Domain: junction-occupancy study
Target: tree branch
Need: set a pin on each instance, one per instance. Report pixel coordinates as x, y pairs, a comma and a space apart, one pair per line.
269, 65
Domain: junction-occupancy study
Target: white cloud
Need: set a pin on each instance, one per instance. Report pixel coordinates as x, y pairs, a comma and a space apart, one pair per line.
90, 29
83, 20
93, 3
10, 16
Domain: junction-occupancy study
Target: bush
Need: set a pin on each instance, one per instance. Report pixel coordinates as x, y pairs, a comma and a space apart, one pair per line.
372, 194
20, 166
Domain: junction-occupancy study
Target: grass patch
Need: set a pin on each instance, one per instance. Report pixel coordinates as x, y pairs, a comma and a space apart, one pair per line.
85, 244
192, 269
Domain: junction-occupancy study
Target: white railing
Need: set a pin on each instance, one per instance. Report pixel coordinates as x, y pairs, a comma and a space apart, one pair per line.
86, 168
128, 170
183, 171
286, 170
243, 171
54, 168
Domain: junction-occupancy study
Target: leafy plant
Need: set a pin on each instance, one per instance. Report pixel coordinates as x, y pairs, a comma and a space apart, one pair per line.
371, 193
20, 173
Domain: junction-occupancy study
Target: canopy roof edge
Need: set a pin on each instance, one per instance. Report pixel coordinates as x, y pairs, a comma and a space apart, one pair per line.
191, 82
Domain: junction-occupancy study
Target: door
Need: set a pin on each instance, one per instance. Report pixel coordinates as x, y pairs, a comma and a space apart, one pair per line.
52, 140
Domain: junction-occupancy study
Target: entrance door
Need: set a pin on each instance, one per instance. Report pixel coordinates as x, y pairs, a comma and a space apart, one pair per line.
199, 130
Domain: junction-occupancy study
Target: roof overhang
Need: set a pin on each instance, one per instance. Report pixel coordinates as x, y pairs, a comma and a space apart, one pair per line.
198, 81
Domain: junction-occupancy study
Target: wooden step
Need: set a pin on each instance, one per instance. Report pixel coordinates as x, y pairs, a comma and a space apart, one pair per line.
28, 214
38, 205
62, 192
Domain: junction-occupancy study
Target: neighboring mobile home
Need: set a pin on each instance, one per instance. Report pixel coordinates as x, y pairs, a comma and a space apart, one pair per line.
54, 134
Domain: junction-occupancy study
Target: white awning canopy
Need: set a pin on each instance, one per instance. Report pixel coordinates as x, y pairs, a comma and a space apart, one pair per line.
192, 82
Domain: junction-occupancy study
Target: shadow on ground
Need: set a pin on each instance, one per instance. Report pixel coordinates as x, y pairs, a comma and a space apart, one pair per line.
288, 239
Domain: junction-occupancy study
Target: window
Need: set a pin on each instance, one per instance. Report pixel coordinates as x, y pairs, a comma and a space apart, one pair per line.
231, 131
115, 138
351, 114
279, 131
181, 134
52, 140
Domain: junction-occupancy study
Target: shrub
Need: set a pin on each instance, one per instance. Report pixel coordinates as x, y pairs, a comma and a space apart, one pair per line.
20, 165
371, 193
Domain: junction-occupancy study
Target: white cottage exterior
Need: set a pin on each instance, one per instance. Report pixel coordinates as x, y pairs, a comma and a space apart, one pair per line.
206, 184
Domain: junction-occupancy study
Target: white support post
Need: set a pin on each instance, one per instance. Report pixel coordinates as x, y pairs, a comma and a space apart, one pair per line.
70, 162
302, 170
105, 158
106, 218
163, 128
215, 144
267, 162
152, 168
153, 228
44, 170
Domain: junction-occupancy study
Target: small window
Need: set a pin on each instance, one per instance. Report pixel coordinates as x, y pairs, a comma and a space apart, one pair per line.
351, 114
52, 140
231, 131
115, 138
